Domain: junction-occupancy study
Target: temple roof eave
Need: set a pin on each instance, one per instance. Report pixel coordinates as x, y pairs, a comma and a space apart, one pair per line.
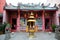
29, 8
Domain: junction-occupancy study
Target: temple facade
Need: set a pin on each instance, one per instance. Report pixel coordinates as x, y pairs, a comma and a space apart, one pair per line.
45, 16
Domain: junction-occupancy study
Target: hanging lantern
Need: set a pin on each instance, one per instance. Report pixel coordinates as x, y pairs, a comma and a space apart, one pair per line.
24, 15
36, 15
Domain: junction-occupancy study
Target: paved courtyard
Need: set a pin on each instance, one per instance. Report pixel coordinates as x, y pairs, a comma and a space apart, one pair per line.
25, 36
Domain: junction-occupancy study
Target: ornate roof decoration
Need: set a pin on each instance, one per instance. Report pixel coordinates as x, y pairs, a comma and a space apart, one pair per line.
31, 7
59, 6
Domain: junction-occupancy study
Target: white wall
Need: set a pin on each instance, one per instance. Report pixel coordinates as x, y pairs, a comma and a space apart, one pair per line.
57, 17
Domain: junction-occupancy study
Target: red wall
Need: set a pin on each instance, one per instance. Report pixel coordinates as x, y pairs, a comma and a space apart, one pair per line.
2, 3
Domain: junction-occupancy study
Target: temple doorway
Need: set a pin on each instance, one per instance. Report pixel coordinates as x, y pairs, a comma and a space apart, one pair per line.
0, 20
47, 23
14, 23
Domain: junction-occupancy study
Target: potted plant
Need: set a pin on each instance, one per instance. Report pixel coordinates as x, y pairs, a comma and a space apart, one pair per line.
4, 26
1, 29
53, 27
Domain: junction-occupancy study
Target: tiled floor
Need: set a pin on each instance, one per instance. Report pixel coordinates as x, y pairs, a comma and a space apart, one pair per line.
25, 36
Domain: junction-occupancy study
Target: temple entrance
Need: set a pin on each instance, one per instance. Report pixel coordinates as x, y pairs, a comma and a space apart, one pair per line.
47, 23
0, 20
14, 23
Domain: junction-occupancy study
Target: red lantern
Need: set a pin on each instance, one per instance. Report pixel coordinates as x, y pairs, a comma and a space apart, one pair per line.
24, 15
36, 15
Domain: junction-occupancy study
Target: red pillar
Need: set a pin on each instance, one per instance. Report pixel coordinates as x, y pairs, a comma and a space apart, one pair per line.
43, 21
18, 21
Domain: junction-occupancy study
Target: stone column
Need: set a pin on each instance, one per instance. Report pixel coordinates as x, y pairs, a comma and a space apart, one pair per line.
18, 21
43, 21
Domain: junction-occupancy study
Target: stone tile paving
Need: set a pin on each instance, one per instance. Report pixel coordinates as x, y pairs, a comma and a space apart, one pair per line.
25, 36
2, 37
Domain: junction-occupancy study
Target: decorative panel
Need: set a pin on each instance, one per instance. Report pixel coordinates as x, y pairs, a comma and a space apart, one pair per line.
39, 23
23, 23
